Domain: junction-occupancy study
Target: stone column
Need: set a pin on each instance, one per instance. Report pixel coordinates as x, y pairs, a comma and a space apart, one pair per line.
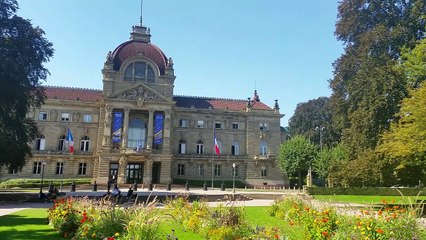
107, 127
166, 132
150, 128
121, 178
147, 175
125, 127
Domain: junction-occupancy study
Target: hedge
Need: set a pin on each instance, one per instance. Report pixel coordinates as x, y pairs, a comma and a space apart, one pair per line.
32, 183
378, 191
217, 183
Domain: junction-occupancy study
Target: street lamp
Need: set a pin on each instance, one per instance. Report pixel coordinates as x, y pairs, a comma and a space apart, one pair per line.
233, 177
41, 195
320, 129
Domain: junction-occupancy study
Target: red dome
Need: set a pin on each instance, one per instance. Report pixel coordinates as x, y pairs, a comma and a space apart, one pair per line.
133, 48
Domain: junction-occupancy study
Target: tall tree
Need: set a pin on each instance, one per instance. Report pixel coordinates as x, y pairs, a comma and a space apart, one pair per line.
295, 156
310, 118
329, 161
366, 88
23, 50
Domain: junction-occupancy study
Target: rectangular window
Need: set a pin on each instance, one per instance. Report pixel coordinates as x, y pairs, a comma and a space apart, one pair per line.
183, 123
42, 116
87, 118
217, 170
218, 125
235, 126
200, 124
12, 170
37, 168
263, 172
181, 169
59, 168
200, 170
65, 117
263, 126
82, 168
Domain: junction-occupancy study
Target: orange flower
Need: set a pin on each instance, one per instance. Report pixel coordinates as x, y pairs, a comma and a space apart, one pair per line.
325, 233
325, 220
291, 223
380, 231
380, 212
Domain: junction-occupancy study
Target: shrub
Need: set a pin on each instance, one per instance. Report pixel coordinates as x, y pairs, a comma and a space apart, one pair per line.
376, 191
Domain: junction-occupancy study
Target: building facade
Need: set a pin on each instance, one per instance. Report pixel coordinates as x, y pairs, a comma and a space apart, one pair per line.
136, 130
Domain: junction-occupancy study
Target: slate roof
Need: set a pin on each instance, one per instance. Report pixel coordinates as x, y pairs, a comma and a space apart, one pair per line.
216, 103
93, 95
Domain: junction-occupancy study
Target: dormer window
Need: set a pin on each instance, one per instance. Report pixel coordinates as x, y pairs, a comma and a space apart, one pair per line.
139, 71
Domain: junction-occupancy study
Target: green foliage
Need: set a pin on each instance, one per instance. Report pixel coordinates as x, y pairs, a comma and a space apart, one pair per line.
30, 183
371, 191
310, 115
362, 172
296, 155
413, 64
23, 52
367, 88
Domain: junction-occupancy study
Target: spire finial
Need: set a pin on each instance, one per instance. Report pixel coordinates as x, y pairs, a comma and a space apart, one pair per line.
141, 12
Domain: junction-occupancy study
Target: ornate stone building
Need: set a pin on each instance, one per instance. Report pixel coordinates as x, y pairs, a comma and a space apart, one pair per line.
135, 129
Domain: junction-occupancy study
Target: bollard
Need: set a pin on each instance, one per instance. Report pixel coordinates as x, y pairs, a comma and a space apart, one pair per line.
205, 186
187, 185
95, 187
73, 186
222, 186
150, 186
169, 186
108, 187
135, 185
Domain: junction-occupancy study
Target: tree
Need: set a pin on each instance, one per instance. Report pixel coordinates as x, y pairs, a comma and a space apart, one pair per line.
366, 87
23, 50
328, 163
312, 115
295, 156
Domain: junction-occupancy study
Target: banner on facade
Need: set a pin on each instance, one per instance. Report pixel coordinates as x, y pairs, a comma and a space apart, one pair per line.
117, 125
158, 128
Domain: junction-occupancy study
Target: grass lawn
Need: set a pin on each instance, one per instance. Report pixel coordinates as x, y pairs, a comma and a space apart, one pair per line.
32, 222
27, 224
362, 199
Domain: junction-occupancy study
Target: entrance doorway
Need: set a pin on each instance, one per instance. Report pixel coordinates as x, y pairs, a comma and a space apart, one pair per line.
113, 173
156, 170
134, 172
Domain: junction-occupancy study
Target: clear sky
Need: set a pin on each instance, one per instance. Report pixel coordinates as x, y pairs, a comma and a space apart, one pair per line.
221, 48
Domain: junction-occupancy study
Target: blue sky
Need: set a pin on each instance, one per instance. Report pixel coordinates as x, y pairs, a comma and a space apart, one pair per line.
222, 48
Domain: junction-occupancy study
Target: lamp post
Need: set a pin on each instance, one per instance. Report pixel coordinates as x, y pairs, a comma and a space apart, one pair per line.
320, 129
233, 177
41, 195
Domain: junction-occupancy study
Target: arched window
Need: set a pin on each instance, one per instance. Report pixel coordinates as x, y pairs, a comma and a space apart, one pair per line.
200, 147
139, 71
263, 148
62, 143
136, 135
84, 145
182, 146
235, 148
40, 142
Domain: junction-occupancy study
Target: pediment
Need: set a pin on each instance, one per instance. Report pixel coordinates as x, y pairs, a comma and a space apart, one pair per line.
140, 93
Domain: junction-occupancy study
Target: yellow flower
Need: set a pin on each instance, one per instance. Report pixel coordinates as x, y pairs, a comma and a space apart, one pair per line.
117, 234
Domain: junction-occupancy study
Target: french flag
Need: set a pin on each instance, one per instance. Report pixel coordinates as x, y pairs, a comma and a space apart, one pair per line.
216, 146
70, 140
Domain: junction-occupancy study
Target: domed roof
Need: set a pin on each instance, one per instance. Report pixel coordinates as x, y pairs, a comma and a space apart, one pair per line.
139, 44
134, 48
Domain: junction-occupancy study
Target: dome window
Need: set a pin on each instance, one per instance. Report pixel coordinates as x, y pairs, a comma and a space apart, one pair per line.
139, 71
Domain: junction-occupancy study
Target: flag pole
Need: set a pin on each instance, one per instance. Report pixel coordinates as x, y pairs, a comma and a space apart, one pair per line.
213, 150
